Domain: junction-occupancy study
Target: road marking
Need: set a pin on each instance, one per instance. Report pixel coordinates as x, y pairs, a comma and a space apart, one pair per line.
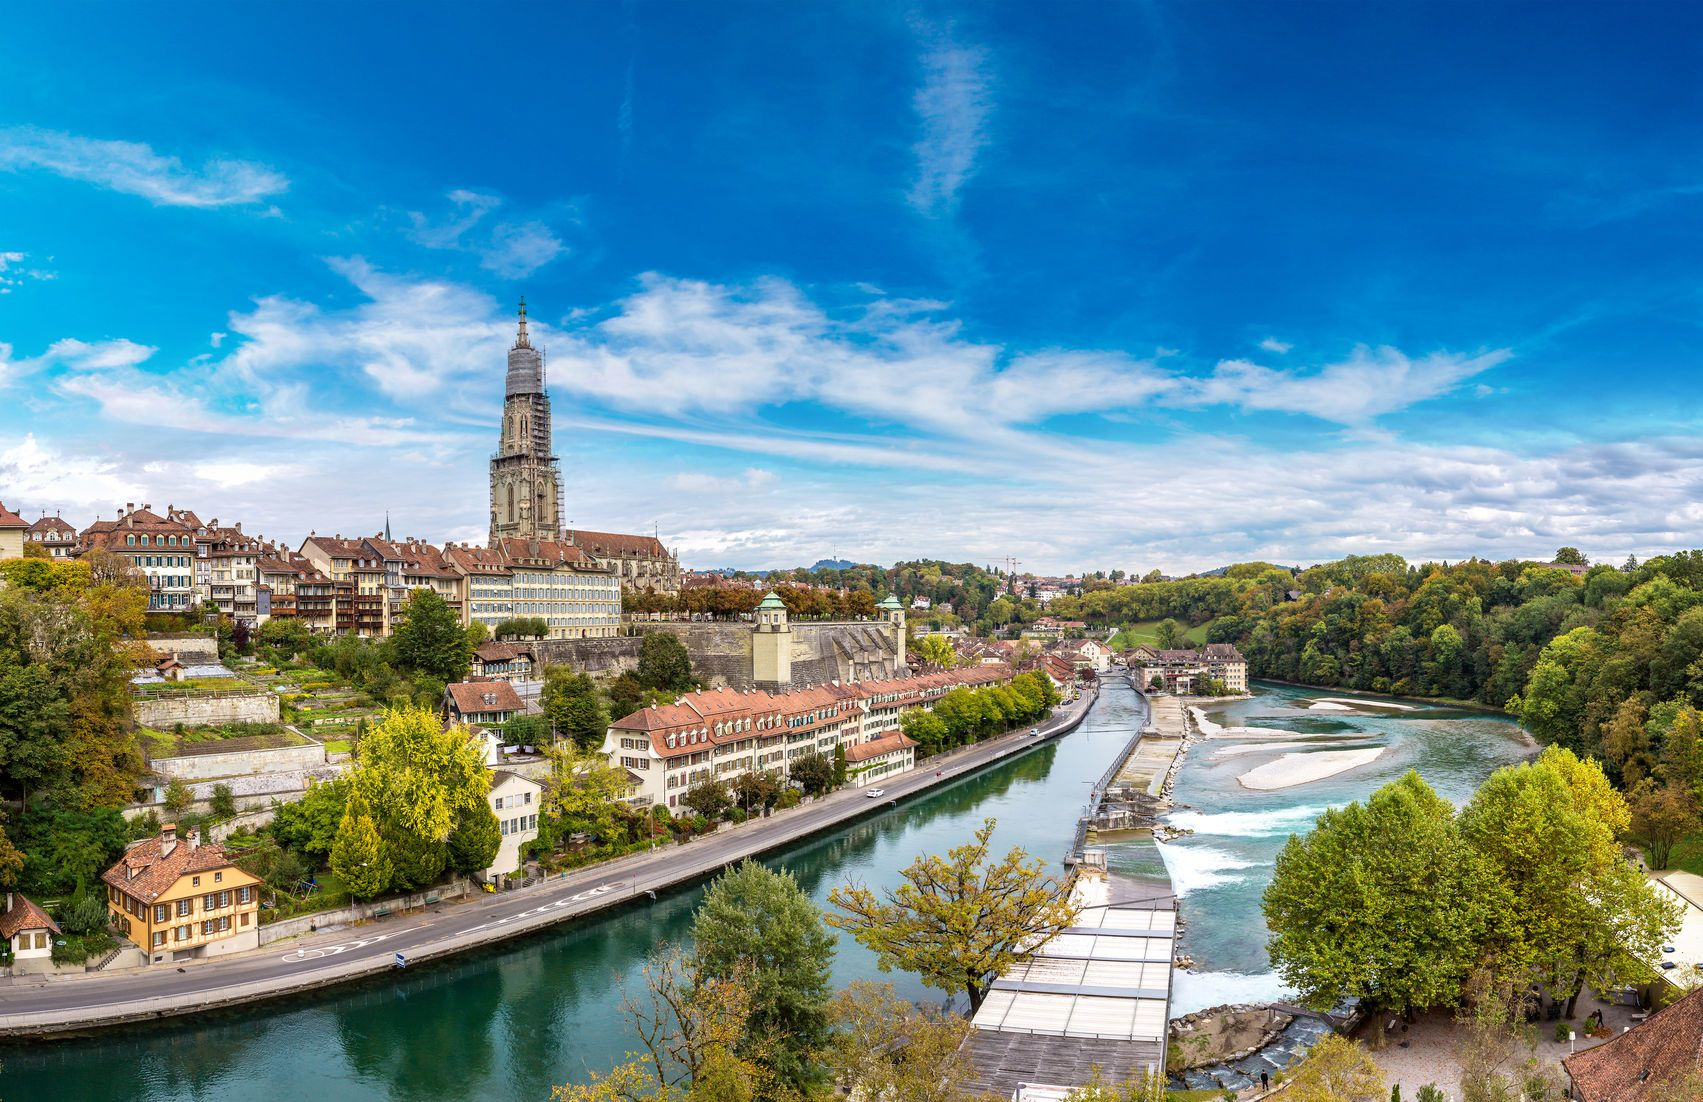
589, 893
301, 955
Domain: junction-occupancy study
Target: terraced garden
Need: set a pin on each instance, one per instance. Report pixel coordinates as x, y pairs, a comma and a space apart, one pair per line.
217, 739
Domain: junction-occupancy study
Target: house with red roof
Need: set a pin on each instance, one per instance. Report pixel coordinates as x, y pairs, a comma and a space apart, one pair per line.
178, 899
12, 529
27, 932
1648, 1061
723, 733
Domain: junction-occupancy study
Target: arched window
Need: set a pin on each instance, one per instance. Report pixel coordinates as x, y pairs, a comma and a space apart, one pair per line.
511, 502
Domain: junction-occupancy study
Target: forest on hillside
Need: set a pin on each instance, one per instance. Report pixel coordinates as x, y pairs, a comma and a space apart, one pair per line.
1607, 663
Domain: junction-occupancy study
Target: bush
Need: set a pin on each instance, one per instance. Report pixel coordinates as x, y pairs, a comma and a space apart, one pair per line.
76, 950
83, 913
224, 802
738, 815
178, 797
1563, 1029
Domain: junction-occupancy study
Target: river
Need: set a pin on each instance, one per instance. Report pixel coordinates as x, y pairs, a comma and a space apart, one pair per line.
509, 1023
1220, 871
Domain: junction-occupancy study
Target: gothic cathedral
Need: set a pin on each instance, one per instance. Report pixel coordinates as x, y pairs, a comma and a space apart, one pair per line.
526, 482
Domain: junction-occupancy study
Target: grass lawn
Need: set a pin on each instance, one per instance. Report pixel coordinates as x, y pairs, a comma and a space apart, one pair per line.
198, 685
1147, 631
337, 746
1686, 856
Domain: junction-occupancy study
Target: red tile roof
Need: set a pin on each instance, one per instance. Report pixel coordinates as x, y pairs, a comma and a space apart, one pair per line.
693, 719
143, 873
9, 519
57, 525
25, 915
617, 544
1632, 1065
479, 697
863, 751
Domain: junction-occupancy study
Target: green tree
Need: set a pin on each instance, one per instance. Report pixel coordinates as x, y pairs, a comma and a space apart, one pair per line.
840, 767
756, 925
573, 707
310, 825
814, 773
1571, 556
1382, 901
1576, 911
359, 857
417, 778
583, 792
959, 921
756, 792
430, 640
926, 729
475, 841
34, 712
178, 797
223, 805
1168, 634
664, 665
934, 650
709, 798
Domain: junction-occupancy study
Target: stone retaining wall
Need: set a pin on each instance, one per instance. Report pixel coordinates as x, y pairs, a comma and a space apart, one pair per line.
190, 649
361, 912
279, 759
206, 709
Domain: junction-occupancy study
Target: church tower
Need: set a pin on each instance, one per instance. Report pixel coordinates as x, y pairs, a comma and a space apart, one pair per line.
526, 483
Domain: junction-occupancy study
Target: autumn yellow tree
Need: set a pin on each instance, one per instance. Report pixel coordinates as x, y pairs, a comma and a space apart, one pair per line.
418, 777
886, 1047
1337, 1070
960, 921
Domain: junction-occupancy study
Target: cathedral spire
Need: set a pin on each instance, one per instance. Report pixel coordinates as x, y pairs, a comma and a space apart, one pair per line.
521, 341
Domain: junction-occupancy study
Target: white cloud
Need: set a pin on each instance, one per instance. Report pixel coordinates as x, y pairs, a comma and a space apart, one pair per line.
1272, 344
678, 346
1367, 385
511, 249
952, 106
13, 275
135, 169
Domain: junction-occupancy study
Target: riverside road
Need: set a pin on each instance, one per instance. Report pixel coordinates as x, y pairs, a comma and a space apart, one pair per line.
81, 1003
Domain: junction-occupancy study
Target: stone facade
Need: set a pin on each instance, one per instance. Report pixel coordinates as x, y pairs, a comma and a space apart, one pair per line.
526, 481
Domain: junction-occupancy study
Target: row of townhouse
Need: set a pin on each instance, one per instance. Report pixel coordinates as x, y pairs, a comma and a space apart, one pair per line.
335, 585
721, 734
358, 586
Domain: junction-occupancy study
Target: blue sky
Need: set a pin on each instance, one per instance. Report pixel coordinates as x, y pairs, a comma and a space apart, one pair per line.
1100, 286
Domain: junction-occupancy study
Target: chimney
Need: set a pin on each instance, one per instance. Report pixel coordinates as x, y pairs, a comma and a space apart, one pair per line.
8, 902
129, 505
168, 839
194, 838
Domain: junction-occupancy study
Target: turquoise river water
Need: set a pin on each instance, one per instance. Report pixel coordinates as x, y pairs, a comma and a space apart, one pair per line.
509, 1023
1220, 871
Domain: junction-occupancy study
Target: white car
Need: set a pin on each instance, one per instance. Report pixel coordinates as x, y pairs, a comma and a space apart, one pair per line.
876, 793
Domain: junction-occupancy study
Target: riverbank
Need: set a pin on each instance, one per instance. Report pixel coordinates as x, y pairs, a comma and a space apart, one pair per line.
82, 1004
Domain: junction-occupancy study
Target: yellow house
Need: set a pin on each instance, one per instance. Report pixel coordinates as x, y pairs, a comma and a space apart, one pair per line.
12, 529
178, 899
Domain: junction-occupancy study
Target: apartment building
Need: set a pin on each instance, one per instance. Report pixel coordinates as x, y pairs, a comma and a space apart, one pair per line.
54, 535
723, 733
163, 550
